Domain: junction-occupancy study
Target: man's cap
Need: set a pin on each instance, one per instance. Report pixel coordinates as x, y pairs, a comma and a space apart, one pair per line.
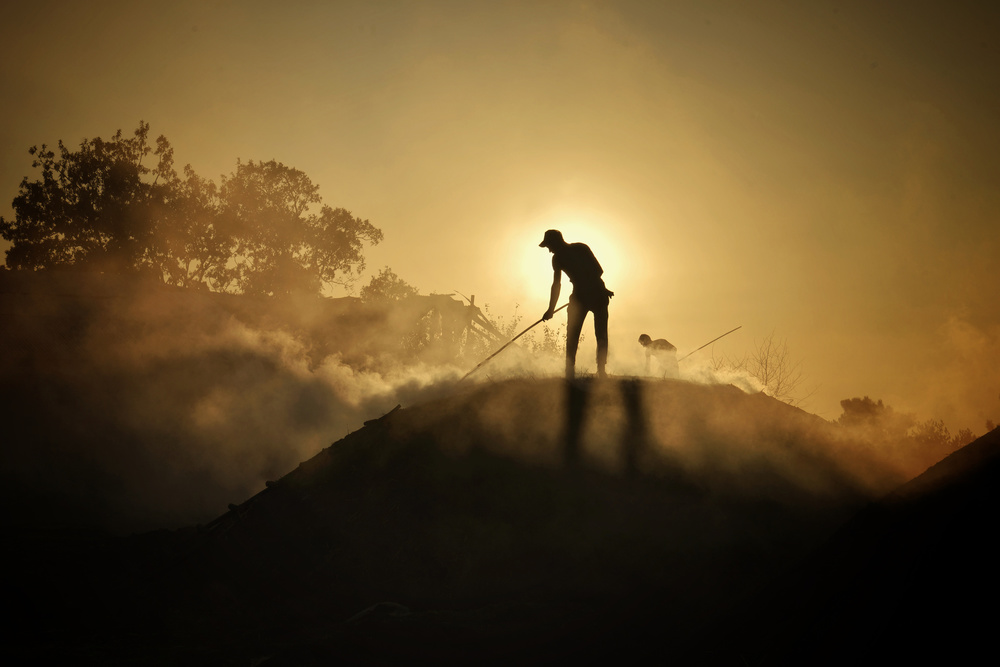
552, 236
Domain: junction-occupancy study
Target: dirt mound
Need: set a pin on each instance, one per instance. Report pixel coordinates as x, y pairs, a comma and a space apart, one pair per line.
509, 521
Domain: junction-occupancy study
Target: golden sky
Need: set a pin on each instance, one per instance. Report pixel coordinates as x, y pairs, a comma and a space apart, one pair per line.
827, 171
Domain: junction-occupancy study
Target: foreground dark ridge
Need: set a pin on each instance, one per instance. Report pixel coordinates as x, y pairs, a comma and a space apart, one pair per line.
910, 579
519, 521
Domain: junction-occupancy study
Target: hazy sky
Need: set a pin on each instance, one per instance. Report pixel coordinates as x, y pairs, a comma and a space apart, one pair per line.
827, 171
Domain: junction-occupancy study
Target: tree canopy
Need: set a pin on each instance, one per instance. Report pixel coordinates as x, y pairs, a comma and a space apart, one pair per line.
263, 231
387, 286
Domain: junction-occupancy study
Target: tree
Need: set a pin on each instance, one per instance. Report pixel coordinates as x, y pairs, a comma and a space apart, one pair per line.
101, 208
387, 286
962, 438
923, 442
96, 207
934, 435
278, 245
193, 251
875, 419
771, 364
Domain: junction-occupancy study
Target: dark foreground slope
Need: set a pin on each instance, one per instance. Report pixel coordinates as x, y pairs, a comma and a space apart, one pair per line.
913, 577
510, 523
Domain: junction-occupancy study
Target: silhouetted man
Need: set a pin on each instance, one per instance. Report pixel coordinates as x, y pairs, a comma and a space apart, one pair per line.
589, 294
664, 352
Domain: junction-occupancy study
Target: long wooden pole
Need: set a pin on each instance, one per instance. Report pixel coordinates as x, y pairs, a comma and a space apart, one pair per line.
483, 362
709, 343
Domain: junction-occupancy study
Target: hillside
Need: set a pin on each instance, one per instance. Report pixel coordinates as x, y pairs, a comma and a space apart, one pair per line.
506, 522
517, 521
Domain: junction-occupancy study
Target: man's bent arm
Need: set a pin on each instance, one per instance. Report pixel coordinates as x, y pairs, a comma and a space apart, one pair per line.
553, 296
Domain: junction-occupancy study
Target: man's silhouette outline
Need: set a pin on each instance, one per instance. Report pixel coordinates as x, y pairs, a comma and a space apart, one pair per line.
589, 294
664, 351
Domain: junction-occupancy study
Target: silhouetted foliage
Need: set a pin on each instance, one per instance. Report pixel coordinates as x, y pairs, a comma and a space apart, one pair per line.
963, 437
532, 352
933, 434
879, 424
771, 364
101, 208
880, 421
387, 286
507, 326
930, 433
549, 340
95, 207
197, 252
278, 246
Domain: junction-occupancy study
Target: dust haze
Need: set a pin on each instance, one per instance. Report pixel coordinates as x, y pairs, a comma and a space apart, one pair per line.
134, 406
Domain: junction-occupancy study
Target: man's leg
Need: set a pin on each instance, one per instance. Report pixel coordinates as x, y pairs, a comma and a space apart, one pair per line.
574, 325
601, 333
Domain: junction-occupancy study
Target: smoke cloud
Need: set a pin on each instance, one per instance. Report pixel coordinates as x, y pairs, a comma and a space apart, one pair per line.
138, 406
134, 406
963, 387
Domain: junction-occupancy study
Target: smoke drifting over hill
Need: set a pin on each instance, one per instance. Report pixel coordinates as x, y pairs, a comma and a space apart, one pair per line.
512, 510
135, 406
